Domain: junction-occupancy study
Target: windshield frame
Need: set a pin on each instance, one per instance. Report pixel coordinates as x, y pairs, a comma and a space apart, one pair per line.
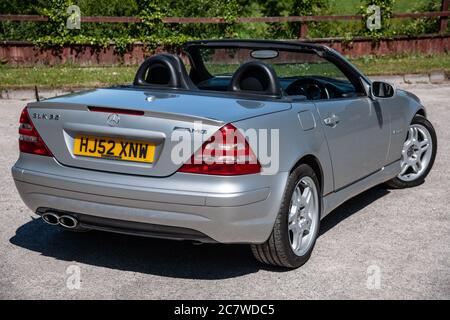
199, 72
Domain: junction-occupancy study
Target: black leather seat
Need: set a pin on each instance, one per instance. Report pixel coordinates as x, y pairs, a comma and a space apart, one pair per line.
164, 71
255, 77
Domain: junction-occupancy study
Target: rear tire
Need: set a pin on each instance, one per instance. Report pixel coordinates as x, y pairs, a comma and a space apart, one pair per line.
297, 224
413, 158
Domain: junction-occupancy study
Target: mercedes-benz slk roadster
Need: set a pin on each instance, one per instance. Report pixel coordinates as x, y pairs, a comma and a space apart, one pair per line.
231, 141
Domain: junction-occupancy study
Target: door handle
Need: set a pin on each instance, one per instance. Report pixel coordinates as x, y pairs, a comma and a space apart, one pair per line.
331, 121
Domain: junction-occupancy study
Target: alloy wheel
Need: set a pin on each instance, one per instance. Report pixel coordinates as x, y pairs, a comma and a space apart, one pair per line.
416, 153
303, 216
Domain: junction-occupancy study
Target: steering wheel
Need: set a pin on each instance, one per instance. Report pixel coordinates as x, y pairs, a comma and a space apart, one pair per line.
311, 88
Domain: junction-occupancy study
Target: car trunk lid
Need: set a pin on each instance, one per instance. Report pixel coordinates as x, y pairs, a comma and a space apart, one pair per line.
141, 117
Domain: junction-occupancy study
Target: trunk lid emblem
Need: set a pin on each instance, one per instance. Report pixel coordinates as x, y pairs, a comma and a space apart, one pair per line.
113, 120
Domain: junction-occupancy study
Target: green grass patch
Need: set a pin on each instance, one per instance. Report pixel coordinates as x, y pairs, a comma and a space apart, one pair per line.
352, 6
65, 76
325, 69
70, 76
403, 64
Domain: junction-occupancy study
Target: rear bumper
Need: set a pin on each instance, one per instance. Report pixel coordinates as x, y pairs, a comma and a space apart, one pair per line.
239, 209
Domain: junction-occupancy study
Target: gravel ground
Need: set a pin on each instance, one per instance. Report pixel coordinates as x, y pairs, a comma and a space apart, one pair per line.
401, 235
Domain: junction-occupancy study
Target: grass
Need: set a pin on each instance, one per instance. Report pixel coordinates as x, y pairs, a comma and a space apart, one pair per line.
65, 76
70, 76
403, 64
352, 6
284, 70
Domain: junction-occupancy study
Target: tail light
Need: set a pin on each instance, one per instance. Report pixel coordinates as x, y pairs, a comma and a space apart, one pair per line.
226, 153
118, 111
29, 139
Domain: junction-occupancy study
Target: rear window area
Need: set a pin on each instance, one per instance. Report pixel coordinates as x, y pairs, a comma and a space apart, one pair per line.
223, 62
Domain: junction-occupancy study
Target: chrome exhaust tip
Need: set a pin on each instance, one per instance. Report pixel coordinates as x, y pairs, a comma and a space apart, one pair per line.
51, 218
68, 222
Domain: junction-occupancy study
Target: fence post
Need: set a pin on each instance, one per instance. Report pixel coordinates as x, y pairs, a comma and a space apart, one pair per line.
444, 20
303, 30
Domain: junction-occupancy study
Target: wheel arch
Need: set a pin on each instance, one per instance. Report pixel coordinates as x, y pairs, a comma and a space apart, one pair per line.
314, 163
421, 112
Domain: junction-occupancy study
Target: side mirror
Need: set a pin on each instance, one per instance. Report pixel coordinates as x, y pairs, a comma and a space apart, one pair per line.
382, 90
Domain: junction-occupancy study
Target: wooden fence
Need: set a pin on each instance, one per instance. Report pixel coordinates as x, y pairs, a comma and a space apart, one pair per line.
303, 20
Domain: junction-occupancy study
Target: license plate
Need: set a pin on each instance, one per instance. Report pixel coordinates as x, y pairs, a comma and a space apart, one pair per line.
113, 148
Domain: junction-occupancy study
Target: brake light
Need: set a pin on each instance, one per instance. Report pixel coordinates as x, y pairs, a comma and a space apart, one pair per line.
29, 139
118, 111
226, 153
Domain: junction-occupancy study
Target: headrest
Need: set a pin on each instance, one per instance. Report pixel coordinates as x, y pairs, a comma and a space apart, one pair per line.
164, 70
255, 77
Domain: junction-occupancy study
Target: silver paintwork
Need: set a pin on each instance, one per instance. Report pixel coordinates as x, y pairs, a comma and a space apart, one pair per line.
359, 141
227, 209
416, 153
165, 113
359, 147
304, 216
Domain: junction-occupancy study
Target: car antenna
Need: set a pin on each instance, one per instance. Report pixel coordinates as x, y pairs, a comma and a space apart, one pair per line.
36, 93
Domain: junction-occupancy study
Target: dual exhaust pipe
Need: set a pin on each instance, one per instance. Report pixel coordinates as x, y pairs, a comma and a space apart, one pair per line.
55, 219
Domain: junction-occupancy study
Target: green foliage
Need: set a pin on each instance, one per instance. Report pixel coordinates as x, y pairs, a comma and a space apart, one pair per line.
277, 8
56, 11
21, 6
423, 25
151, 31
230, 14
151, 15
229, 10
310, 8
154, 33
386, 7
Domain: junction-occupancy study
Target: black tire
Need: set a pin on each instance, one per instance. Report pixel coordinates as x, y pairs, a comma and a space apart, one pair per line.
396, 182
277, 251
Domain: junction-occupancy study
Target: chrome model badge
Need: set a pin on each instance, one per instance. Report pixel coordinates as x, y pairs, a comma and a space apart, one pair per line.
45, 116
191, 130
113, 120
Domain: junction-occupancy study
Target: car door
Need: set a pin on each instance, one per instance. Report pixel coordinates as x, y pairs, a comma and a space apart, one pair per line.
357, 131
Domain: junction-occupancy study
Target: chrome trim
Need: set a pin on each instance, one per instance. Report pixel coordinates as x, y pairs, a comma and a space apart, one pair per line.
68, 221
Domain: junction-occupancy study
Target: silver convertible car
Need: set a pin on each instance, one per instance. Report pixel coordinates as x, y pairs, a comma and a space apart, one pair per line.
231, 141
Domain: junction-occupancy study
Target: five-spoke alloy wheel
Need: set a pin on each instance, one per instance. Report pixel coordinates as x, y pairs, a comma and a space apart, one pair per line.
418, 154
297, 224
303, 215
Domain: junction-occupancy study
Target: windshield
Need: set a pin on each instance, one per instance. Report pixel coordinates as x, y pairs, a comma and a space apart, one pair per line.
296, 72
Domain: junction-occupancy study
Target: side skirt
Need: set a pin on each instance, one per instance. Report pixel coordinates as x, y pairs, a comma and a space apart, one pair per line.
332, 200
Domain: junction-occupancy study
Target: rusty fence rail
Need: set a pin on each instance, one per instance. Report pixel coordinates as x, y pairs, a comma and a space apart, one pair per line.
443, 15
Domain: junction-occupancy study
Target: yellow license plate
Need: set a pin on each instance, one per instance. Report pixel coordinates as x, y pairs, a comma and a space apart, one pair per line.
113, 148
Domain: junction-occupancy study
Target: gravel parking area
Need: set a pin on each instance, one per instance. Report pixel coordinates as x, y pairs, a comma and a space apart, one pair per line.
383, 244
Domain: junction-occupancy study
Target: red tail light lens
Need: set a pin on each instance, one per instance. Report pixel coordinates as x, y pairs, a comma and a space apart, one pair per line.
29, 139
226, 153
118, 111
